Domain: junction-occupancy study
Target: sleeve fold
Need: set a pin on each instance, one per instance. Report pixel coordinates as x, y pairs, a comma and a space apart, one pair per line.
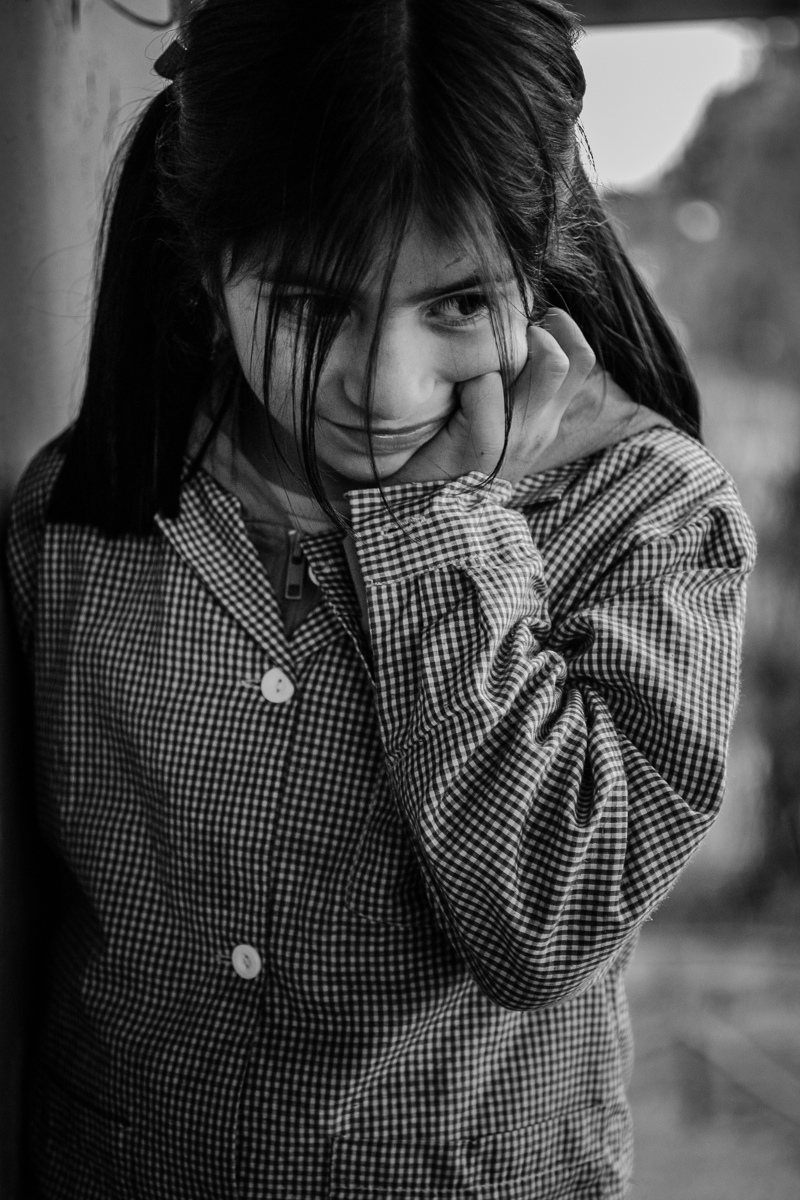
555, 773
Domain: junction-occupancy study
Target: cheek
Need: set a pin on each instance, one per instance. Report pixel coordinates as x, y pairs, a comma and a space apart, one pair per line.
247, 320
471, 356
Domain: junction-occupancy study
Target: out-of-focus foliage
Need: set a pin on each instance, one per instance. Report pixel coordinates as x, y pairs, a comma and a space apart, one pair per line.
721, 231
718, 239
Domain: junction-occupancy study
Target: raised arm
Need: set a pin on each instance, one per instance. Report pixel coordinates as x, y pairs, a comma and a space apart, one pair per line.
555, 775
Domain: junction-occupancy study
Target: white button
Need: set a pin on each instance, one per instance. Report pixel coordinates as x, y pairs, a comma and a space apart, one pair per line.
276, 687
311, 575
246, 961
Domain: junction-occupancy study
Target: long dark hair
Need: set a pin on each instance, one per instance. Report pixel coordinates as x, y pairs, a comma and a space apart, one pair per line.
308, 132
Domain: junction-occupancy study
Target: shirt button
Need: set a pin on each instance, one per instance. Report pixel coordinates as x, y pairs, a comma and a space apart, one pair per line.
246, 962
312, 577
276, 687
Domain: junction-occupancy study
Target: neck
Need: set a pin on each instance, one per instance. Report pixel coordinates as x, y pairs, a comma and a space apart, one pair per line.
273, 453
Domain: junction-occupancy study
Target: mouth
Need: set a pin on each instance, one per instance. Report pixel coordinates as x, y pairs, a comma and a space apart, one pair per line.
390, 441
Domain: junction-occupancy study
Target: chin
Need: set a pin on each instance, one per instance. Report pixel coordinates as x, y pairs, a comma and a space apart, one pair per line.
360, 471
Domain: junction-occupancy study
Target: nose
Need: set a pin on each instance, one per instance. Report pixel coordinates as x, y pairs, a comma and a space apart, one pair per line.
405, 380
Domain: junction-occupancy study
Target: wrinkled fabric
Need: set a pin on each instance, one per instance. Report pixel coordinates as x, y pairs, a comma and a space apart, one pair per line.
441, 847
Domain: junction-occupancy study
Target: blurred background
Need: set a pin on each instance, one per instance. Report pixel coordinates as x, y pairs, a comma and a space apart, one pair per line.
693, 121
694, 128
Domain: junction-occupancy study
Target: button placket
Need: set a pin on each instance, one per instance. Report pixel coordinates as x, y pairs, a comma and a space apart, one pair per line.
328, 569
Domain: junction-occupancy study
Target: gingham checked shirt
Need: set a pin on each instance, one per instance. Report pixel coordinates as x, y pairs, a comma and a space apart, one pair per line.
360, 933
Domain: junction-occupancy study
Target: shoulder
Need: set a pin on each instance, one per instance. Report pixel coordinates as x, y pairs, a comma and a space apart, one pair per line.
669, 481
660, 464
657, 464
32, 496
660, 471
659, 492
33, 491
26, 526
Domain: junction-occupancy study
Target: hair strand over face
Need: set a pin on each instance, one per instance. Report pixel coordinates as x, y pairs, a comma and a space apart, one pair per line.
307, 135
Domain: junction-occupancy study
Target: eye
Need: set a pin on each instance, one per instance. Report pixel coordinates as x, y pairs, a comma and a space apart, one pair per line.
462, 308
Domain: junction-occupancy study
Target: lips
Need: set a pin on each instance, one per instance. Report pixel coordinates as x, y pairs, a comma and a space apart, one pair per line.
391, 442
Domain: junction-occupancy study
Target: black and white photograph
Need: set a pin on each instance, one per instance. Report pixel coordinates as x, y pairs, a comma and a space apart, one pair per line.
399, 600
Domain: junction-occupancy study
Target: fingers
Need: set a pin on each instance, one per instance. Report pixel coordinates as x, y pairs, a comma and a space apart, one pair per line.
480, 423
560, 360
482, 402
574, 345
546, 370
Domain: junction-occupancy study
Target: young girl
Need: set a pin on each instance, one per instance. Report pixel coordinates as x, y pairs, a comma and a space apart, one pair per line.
384, 612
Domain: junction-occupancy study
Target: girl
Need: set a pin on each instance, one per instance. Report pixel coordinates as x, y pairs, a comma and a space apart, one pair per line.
384, 612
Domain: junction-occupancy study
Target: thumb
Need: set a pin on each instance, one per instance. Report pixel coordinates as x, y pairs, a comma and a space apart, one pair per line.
483, 412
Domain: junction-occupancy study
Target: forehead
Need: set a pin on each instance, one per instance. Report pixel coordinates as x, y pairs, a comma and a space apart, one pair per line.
425, 260
428, 260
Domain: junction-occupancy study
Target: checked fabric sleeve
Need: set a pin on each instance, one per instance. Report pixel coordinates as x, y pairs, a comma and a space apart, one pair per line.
555, 765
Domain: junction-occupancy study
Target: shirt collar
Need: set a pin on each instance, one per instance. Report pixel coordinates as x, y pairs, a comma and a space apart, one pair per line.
261, 499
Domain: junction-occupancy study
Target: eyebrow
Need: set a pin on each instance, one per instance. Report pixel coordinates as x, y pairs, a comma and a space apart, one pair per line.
468, 283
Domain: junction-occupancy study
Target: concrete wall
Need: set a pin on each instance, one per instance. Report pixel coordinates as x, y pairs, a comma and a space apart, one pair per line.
72, 73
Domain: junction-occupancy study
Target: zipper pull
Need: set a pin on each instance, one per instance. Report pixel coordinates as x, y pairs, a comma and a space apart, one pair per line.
295, 567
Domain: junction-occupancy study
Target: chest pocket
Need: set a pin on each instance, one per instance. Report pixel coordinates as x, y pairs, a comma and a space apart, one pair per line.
385, 882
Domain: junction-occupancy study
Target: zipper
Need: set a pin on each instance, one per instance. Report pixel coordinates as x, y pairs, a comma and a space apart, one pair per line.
295, 568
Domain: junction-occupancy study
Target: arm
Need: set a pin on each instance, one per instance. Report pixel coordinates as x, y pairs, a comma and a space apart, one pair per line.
554, 777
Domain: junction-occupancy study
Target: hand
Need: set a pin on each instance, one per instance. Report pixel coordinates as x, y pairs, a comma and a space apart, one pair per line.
559, 363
